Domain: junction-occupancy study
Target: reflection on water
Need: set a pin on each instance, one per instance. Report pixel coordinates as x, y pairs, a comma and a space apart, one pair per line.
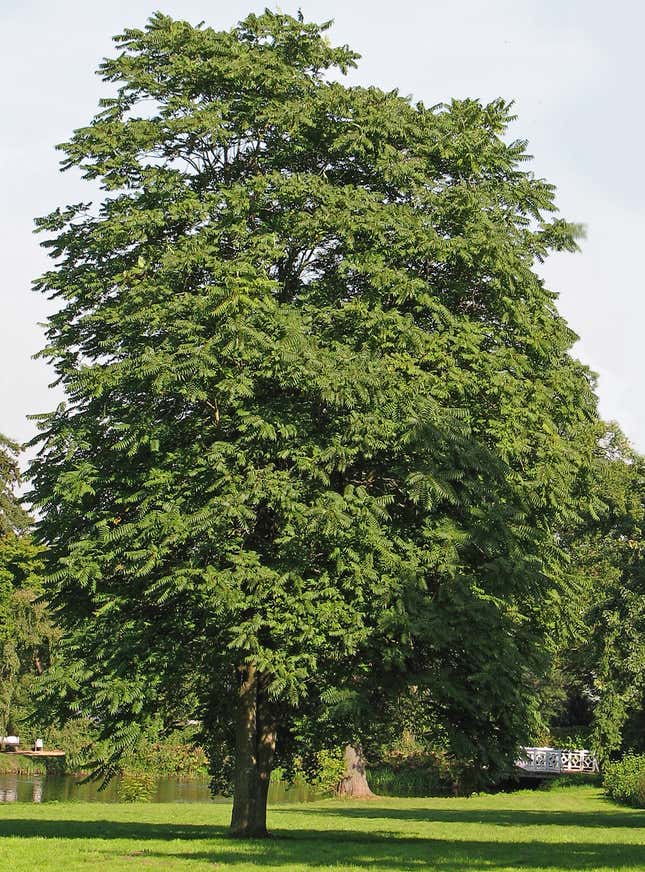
18, 788
66, 788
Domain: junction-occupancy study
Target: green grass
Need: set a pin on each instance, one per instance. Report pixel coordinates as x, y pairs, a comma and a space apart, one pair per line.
569, 828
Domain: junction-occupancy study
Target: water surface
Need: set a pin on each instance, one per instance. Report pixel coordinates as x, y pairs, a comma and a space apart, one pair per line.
66, 788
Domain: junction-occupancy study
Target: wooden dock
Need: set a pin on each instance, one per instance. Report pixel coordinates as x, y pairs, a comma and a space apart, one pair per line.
20, 753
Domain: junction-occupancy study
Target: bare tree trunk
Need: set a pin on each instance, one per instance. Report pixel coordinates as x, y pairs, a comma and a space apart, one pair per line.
266, 733
254, 751
353, 784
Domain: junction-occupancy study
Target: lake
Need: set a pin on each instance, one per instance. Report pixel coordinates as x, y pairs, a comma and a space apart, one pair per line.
66, 788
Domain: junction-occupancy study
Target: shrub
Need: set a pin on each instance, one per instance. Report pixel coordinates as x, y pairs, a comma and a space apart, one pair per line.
387, 781
433, 773
571, 780
320, 770
329, 771
624, 781
73, 737
136, 787
172, 757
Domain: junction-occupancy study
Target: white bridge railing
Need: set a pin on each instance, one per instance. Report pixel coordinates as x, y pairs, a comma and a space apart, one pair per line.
553, 761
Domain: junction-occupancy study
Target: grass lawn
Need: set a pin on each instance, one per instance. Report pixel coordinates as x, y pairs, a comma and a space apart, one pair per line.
568, 828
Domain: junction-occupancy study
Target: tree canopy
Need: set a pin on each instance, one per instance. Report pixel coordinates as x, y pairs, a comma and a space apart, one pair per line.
323, 429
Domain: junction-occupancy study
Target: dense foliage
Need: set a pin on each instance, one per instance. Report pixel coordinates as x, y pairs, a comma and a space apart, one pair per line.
25, 629
597, 684
323, 431
624, 780
616, 647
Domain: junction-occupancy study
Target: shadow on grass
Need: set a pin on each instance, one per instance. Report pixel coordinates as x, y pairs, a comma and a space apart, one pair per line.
310, 849
30, 828
304, 850
613, 817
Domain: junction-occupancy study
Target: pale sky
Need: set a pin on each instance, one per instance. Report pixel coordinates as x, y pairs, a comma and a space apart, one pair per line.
573, 67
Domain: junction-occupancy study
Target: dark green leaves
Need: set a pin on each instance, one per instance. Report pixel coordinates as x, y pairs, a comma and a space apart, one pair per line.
321, 411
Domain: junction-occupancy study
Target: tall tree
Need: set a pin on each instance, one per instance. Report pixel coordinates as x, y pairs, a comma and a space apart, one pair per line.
322, 425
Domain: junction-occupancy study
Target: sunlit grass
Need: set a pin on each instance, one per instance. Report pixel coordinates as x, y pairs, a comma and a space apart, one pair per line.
569, 828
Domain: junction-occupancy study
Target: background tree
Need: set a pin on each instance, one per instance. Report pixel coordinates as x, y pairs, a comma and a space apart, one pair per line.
25, 629
322, 424
611, 653
595, 687
13, 518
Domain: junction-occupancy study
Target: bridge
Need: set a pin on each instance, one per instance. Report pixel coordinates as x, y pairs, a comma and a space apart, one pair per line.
540, 762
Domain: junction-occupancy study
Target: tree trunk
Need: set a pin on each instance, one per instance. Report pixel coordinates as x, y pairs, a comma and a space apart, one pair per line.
254, 751
353, 784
